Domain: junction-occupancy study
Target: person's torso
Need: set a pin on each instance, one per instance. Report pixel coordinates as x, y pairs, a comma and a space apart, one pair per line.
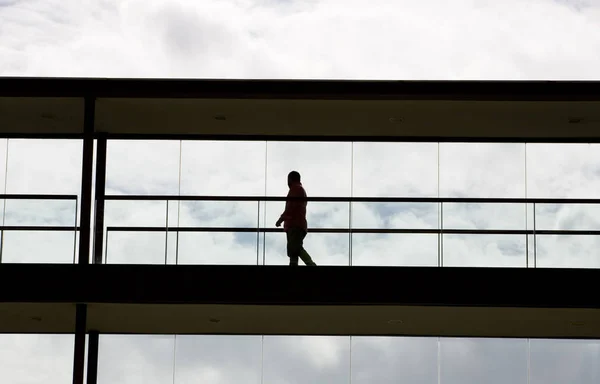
297, 211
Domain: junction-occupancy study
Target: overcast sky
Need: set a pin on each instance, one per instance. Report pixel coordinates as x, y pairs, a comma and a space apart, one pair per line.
462, 39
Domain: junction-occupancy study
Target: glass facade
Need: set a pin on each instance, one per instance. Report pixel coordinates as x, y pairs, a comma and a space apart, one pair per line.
413, 204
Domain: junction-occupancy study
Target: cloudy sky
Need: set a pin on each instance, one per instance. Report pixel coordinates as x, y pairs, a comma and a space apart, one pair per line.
462, 39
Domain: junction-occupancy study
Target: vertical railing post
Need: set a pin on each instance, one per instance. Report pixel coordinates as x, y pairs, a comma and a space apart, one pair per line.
100, 199
79, 349
534, 239
87, 180
93, 349
441, 242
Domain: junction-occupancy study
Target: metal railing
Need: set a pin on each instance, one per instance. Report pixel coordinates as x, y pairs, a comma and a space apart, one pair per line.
40, 228
440, 231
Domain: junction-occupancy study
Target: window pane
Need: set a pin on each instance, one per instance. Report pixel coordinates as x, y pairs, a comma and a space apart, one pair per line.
238, 248
324, 167
484, 216
563, 170
388, 360
218, 359
36, 358
484, 251
38, 247
219, 214
44, 166
142, 167
564, 251
225, 168
492, 361
135, 248
395, 169
306, 359
40, 212
324, 248
482, 170
565, 361
127, 359
395, 215
567, 216
395, 250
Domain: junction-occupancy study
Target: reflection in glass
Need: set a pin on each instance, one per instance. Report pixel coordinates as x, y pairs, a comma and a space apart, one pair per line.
306, 359
567, 216
136, 213
324, 248
225, 168
484, 251
395, 169
142, 167
495, 361
388, 360
482, 170
239, 248
38, 247
134, 359
36, 358
565, 361
135, 248
218, 359
567, 251
393, 249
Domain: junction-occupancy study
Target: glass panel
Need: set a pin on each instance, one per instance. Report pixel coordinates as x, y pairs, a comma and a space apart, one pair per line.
306, 359
40, 212
565, 361
484, 216
484, 251
38, 247
318, 214
36, 358
482, 170
217, 248
324, 167
395, 250
225, 168
142, 167
218, 359
395, 215
324, 248
395, 169
483, 361
567, 217
563, 170
564, 251
388, 360
219, 214
136, 213
44, 166
135, 247
134, 359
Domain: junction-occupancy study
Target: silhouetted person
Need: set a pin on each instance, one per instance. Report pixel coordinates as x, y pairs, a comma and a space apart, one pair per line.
294, 219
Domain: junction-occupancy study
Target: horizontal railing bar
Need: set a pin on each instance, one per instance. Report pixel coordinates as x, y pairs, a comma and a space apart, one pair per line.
13, 196
508, 200
40, 228
362, 230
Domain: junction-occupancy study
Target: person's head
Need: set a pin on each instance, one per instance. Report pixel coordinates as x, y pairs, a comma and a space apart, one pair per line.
293, 178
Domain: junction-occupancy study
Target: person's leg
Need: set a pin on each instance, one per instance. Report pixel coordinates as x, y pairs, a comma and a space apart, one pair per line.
292, 249
303, 254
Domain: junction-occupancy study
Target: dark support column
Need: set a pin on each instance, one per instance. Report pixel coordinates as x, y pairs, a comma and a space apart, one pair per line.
87, 180
100, 191
92, 367
79, 354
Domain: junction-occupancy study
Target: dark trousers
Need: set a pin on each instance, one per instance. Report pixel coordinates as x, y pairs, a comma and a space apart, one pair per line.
295, 248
